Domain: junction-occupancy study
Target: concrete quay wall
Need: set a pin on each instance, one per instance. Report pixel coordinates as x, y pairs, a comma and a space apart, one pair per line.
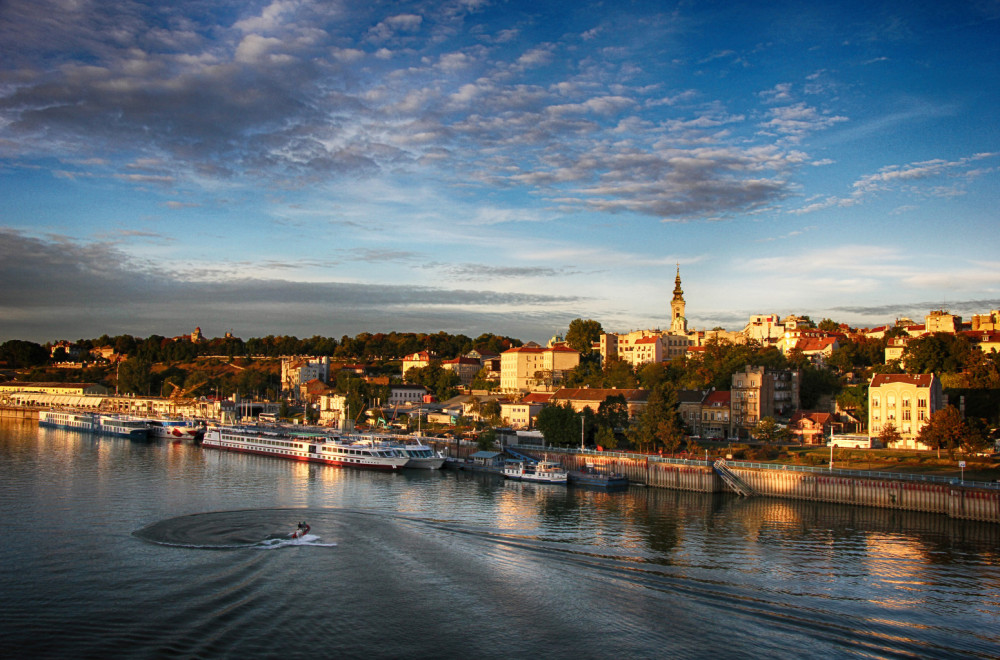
17, 412
952, 500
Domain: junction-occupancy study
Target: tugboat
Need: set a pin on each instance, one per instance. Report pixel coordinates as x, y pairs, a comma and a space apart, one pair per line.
597, 478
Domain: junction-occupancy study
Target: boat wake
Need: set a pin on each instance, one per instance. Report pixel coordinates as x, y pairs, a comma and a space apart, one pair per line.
229, 530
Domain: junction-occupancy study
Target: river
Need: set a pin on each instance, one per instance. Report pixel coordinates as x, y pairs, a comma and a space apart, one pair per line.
115, 548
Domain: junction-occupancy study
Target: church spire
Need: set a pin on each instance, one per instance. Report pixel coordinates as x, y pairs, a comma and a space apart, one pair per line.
678, 323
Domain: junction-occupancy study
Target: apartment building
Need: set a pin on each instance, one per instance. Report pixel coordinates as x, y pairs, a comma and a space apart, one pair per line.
906, 401
532, 368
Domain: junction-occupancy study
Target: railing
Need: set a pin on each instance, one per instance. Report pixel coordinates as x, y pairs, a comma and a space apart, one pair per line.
864, 474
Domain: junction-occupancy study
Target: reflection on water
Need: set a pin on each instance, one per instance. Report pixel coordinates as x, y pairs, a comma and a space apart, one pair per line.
435, 564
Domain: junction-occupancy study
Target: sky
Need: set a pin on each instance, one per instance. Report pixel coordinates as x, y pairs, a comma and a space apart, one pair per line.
304, 168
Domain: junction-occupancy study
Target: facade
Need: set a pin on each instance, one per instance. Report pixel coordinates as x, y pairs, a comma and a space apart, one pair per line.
531, 367
906, 401
765, 328
811, 428
758, 393
716, 416
465, 367
520, 414
417, 360
689, 408
297, 371
942, 321
401, 394
68, 389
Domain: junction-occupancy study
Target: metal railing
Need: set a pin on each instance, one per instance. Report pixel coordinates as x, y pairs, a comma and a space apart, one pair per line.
839, 472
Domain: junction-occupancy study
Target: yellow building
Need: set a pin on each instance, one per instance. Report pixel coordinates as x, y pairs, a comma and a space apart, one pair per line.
532, 368
70, 389
906, 401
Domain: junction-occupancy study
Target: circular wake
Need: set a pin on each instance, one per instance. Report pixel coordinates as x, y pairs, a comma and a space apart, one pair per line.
267, 529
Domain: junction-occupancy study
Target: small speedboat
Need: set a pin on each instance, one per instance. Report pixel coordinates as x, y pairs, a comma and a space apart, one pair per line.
300, 531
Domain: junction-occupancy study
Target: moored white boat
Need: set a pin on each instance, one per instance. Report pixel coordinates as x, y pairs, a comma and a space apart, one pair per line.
327, 449
67, 419
545, 472
175, 429
123, 426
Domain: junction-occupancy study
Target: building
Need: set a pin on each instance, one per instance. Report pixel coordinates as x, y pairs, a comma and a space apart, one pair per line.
644, 346
532, 368
67, 389
403, 394
465, 367
715, 415
758, 393
297, 371
418, 360
586, 397
689, 408
942, 321
906, 401
811, 428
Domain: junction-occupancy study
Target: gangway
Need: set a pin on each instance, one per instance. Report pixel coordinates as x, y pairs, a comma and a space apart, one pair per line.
522, 457
732, 480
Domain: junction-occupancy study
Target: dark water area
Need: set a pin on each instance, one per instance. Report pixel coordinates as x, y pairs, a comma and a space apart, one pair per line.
115, 548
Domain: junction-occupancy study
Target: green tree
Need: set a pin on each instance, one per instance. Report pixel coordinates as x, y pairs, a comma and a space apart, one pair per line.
486, 440
659, 424
490, 411
582, 335
768, 431
134, 377
613, 412
560, 425
606, 438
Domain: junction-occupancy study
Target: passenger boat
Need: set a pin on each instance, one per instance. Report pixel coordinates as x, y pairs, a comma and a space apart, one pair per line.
65, 419
327, 449
597, 478
545, 472
421, 456
123, 426
173, 429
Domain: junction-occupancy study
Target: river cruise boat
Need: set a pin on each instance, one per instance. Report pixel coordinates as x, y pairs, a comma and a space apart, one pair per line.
175, 429
123, 426
65, 419
422, 457
329, 449
543, 472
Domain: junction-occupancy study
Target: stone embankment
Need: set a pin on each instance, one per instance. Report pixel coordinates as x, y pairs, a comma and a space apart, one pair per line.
17, 412
956, 500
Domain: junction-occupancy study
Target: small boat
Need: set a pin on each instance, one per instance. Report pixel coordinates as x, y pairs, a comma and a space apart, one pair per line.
300, 531
598, 478
542, 472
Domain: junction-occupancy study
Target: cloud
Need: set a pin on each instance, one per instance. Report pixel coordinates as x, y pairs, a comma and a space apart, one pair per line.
55, 284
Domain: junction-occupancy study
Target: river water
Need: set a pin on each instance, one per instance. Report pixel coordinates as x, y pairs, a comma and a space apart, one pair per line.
114, 548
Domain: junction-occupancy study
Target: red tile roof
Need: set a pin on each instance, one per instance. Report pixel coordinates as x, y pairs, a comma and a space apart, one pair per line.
920, 380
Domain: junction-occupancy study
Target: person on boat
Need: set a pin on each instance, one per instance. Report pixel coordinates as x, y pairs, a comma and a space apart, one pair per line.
301, 531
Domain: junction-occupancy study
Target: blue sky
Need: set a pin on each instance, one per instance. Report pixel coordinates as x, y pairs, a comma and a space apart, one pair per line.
298, 167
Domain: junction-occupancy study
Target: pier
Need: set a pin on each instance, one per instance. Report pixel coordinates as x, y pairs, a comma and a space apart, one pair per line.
951, 497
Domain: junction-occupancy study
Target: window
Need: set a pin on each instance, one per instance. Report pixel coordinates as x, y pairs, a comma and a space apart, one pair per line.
921, 402
875, 402
921, 415
906, 413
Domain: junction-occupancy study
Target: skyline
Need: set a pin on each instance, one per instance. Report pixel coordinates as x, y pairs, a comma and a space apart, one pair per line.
316, 168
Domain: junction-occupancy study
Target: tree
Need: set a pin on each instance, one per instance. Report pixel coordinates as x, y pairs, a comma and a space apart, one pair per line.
560, 425
828, 325
890, 435
660, 424
606, 438
582, 335
946, 429
490, 411
613, 412
486, 440
769, 431
134, 377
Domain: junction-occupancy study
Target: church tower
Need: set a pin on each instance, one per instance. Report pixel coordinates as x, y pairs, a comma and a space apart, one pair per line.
678, 323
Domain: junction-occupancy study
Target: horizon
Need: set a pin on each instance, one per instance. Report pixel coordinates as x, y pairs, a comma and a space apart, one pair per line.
315, 168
